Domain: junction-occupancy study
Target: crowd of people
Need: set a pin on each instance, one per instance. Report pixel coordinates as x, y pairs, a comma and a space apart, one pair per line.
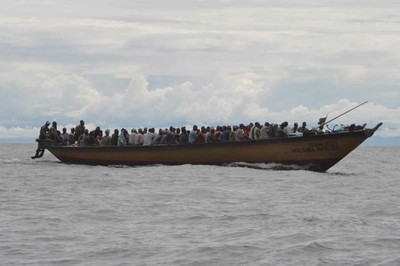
81, 136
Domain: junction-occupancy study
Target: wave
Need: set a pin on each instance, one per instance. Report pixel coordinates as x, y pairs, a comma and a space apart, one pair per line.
341, 174
10, 161
268, 166
133, 166
316, 246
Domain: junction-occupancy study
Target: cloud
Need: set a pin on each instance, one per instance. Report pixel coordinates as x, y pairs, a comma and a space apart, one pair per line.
215, 62
232, 100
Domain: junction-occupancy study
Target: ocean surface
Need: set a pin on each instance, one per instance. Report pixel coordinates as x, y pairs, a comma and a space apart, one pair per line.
58, 214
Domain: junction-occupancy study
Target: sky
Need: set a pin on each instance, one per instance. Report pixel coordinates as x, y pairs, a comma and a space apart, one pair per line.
157, 63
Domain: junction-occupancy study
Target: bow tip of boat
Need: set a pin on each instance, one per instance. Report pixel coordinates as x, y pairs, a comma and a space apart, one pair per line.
371, 131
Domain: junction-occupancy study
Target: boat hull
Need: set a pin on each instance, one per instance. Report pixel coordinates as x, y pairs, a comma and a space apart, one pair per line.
317, 153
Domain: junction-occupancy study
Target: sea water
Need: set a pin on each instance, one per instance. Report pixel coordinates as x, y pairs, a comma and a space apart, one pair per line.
58, 214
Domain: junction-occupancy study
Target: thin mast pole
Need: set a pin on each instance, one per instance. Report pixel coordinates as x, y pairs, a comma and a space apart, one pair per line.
343, 113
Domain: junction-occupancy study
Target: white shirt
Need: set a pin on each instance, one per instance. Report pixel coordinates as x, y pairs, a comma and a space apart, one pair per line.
139, 139
132, 138
148, 138
287, 130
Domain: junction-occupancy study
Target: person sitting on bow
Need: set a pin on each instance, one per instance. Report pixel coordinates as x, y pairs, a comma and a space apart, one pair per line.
45, 131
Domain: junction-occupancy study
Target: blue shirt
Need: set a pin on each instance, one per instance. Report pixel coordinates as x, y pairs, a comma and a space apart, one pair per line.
192, 136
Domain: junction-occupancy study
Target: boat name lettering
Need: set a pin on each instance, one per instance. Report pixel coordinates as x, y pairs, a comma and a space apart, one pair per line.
318, 146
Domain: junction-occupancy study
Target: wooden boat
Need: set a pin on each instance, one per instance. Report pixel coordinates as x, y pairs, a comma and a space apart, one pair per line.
315, 152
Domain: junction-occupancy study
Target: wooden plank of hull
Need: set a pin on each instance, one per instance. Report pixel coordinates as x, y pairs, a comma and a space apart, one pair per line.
319, 152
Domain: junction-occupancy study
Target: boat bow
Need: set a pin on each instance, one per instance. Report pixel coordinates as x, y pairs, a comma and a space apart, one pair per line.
370, 131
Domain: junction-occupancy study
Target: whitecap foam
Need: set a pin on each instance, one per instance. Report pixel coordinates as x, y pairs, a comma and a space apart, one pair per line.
268, 166
10, 161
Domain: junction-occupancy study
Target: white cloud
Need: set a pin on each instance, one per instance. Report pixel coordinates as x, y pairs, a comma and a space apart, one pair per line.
230, 62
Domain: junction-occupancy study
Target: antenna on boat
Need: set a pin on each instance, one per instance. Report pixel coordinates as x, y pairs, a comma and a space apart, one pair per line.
324, 123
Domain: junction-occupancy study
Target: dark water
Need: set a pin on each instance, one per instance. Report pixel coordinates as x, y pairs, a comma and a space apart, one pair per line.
58, 214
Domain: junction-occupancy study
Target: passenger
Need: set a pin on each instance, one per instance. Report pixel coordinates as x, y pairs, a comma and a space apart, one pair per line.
54, 133
162, 136
295, 131
157, 137
139, 137
177, 134
98, 140
225, 133
217, 133
264, 132
71, 139
287, 129
321, 123
183, 137
303, 128
114, 138
106, 140
295, 128
207, 135
98, 132
201, 135
148, 137
250, 126
126, 135
122, 138
64, 137
280, 132
44, 131
255, 131
274, 130
232, 134
193, 135
170, 136
79, 130
44, 134
246, 133
239, 133
84, 139
92, 140
131, 140
210, 136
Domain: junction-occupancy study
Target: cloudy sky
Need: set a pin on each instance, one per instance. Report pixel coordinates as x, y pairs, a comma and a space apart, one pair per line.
124, 63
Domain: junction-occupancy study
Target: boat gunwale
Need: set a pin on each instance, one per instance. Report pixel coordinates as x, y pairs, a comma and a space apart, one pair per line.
277, 140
